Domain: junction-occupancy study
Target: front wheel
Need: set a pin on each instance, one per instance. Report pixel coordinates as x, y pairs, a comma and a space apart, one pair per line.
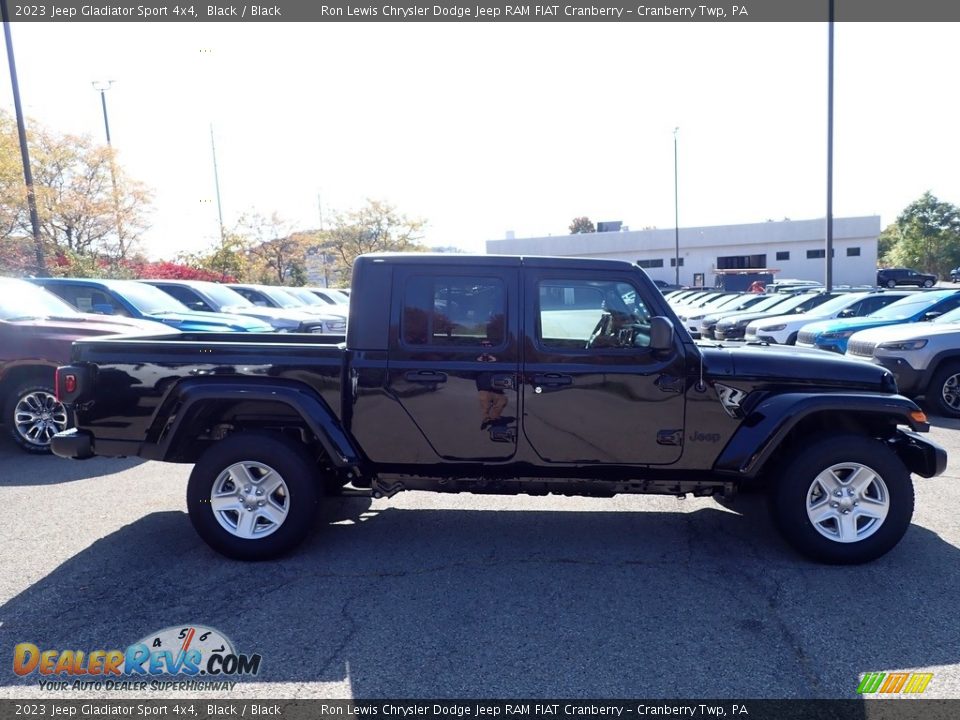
254, 496
843, 500
943, 394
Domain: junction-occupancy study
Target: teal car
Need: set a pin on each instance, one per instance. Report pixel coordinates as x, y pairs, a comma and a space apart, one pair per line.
917, 307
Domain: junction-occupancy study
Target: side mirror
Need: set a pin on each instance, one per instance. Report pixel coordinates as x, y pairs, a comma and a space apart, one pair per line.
661, 334
931, 315
102, 309
849, 312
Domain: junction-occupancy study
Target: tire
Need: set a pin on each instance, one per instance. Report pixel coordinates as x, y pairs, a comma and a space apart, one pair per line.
34, 416
254, 495
792, 340
943, 393
874, 516
928, 283
891, 283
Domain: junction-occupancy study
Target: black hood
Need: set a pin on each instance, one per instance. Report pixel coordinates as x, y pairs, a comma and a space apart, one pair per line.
787, 365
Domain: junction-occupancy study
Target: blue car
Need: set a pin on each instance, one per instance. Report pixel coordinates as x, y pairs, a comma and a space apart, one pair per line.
833, 334
129, 298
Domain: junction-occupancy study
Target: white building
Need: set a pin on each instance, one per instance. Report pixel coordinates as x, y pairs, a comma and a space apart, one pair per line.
795, 249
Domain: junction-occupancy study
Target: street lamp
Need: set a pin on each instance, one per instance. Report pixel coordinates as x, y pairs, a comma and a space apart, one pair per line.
102, 86
676, 213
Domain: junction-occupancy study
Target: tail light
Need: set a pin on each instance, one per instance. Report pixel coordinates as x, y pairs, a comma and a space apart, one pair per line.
66, 383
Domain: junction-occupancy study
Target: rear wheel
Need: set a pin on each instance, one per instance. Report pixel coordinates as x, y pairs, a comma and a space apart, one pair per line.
928, 283
35, 416
254, 496
891, 283
943, 393
843, 499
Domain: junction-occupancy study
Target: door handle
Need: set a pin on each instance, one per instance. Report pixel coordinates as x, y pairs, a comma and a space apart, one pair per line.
502, 381
426, 376
552, 380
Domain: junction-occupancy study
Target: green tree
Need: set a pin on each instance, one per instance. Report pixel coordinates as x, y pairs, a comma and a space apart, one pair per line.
375, 227
582, 225
90, 211
925, 236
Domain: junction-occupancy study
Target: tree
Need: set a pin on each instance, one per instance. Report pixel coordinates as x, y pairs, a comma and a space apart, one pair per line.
925, 236
376, 227
88, 208
582, 225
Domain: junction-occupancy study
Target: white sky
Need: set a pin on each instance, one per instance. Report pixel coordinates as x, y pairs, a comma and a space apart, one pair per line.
484, 128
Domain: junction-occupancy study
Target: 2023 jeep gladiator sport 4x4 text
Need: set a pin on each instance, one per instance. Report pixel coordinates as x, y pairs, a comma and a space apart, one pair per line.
503, 375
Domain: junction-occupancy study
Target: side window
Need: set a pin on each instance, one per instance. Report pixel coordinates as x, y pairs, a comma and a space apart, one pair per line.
453, 311
187, 296
948, 304
585, 314
253, 296
92, 300
872, 304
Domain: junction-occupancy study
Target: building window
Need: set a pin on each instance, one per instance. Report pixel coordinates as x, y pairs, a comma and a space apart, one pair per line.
853, 252
656, 263
742, 262
814, 254
783, 255
673, 262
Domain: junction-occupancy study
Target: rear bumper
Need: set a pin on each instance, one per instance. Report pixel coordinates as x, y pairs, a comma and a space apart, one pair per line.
73, 444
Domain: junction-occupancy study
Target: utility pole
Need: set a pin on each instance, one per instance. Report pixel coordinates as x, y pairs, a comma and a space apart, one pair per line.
828, 280
216, 182
102, 86
676, 212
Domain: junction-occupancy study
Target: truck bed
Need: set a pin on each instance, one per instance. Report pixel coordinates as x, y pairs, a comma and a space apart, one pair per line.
135, 377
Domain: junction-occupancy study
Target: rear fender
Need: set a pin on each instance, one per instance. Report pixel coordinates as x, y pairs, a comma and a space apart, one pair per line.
191, 396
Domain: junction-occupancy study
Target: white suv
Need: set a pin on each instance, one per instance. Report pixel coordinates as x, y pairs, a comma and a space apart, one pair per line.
783, 329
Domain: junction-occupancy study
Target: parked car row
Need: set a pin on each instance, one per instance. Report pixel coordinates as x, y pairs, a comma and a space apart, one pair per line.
916, 335
41, 318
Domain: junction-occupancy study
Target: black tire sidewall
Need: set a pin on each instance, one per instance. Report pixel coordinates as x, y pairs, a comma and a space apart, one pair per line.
934, 394
299, 472
15, 396
788, 499
891, 283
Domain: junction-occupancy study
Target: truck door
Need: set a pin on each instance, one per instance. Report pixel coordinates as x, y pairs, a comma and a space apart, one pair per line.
593, 391
454, 360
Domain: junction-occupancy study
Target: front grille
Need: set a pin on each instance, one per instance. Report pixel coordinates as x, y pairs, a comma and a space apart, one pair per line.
863, 348
806, 337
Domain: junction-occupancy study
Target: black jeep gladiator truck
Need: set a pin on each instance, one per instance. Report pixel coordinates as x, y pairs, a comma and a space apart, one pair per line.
494, 374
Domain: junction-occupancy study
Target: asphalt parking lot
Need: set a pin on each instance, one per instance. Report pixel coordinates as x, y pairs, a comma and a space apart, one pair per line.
430, 596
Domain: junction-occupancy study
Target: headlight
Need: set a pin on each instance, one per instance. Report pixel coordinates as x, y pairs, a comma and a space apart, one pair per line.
285, 329
904, 345
696, 317
773, 328
839, 335
337, 326
743, 323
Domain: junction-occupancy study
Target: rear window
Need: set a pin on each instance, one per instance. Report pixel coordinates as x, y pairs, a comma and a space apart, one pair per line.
455, 310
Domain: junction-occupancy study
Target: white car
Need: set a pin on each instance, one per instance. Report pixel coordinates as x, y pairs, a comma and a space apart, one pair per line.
783, 329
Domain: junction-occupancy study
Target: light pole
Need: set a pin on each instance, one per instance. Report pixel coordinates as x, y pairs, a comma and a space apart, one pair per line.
102, 86
676, 213
41, 264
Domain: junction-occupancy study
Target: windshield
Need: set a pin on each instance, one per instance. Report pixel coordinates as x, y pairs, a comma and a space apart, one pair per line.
147, 299
769, 302
280, 297
21, 300
225, 297
908, 307
951, 317
841, 302
305, 296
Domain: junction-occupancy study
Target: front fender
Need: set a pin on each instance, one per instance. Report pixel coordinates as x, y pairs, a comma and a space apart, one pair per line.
766, 425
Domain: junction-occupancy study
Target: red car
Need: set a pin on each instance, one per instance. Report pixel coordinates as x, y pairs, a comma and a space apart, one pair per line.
36, 332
